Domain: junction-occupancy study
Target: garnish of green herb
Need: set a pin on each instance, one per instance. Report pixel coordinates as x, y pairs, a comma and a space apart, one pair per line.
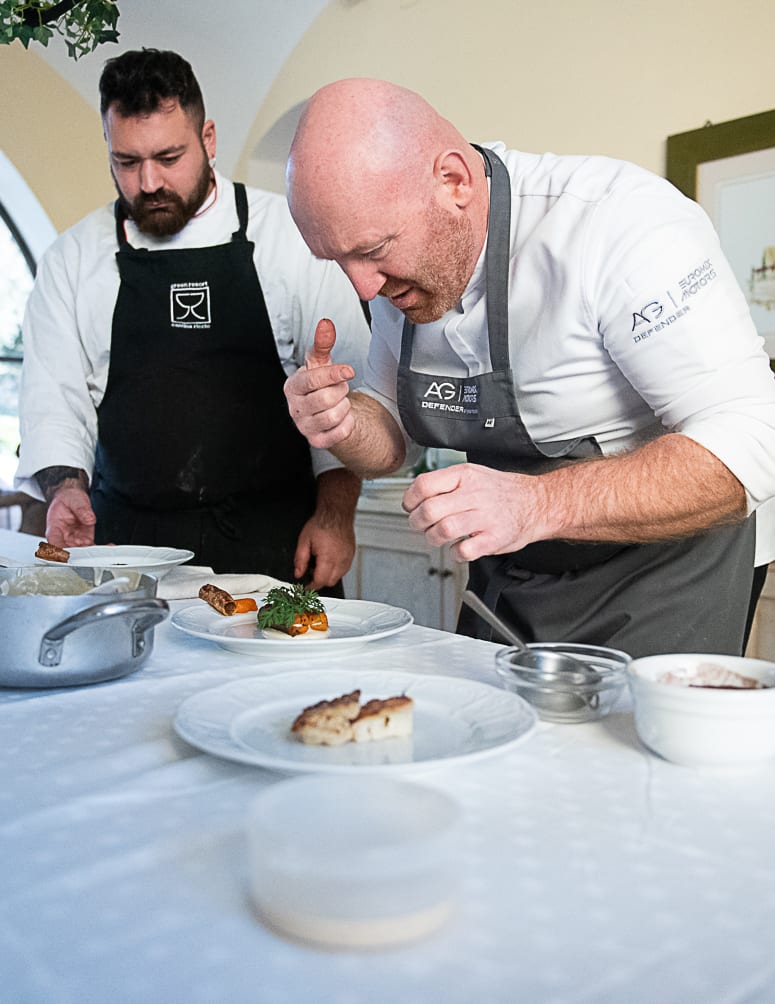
285, 602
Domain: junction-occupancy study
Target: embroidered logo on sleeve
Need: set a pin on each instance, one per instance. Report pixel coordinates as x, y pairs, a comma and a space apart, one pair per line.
656, 315
190, 305
696, 280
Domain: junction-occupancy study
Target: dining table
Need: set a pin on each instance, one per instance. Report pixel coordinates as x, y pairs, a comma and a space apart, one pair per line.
589, 869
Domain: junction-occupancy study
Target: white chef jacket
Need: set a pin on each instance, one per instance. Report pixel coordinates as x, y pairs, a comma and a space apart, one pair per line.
625, 321
69, 315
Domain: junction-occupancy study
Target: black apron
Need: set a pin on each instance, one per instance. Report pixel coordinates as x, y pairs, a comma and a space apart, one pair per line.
196, 448
687, 595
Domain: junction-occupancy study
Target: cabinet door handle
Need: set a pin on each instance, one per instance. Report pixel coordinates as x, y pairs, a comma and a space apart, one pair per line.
446, 573
433, 571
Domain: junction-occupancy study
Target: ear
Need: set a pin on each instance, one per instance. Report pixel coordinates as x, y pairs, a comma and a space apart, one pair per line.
451, 170
208, 137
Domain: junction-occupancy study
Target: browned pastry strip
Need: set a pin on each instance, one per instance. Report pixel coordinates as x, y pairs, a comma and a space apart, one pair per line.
50, 552
218, 599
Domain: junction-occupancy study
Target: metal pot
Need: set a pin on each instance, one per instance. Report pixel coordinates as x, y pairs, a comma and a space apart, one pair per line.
63, 640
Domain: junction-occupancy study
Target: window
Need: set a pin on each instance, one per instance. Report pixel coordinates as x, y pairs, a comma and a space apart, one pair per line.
25, 232
17, 270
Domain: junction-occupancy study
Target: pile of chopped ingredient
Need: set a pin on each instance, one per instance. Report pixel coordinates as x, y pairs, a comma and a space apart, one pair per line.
293, 610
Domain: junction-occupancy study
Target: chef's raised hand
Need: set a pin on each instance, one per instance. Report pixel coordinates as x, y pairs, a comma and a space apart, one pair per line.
70, 519
475, 509
317, 393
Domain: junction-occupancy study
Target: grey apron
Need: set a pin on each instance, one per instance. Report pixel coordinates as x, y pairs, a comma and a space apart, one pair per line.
689, 595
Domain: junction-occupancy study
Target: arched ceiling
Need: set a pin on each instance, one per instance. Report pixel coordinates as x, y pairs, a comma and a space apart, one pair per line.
236, 48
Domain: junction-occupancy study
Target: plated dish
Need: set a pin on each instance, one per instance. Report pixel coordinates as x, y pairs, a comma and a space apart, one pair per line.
134, 557
454, 720
351, 624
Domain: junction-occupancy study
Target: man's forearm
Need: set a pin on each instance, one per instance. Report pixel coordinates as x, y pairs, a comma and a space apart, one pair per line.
670, 488
338, 491
52, 479
376, 446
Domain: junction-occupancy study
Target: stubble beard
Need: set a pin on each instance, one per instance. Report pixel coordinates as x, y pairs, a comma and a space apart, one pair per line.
443, 276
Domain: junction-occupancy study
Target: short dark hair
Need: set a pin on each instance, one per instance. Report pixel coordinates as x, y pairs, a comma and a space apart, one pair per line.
137, 83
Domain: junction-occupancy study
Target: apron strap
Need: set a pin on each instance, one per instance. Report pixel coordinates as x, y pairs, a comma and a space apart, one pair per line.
497, 257
241, 202
497, 264
496, 583
120, 217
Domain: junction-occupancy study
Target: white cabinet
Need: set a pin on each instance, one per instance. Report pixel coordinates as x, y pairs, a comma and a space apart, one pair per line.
394, 565
761, 644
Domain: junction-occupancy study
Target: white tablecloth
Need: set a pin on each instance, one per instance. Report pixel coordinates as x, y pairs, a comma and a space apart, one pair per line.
592, 871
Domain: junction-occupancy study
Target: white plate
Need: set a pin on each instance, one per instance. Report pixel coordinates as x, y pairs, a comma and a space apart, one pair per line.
156, 560
454, 719
351, 623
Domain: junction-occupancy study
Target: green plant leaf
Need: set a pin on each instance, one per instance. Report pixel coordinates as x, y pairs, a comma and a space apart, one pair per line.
285, 602
83, 24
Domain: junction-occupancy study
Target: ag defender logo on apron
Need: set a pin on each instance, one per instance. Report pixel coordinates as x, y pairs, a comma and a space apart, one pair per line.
190, 305
458, 396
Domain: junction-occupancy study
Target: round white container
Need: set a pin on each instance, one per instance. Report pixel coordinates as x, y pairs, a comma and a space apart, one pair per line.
699, 727
355, 862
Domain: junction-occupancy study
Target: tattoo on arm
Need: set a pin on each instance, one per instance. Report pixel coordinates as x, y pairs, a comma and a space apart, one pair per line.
50, 478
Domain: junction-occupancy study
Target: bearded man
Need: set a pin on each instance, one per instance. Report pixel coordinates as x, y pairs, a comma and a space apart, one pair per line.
157, 341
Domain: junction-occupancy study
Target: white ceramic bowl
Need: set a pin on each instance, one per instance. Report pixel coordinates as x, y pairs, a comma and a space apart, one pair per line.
135, 557
355, 862
700, 727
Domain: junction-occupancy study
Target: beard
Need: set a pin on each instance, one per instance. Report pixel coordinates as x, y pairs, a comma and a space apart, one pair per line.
163, 213
443, 275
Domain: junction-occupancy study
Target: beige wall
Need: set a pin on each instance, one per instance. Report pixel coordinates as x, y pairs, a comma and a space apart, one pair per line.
612, 77
606, 76
52, 137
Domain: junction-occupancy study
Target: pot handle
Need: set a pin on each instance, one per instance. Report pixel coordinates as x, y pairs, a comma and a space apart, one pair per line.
146, 613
